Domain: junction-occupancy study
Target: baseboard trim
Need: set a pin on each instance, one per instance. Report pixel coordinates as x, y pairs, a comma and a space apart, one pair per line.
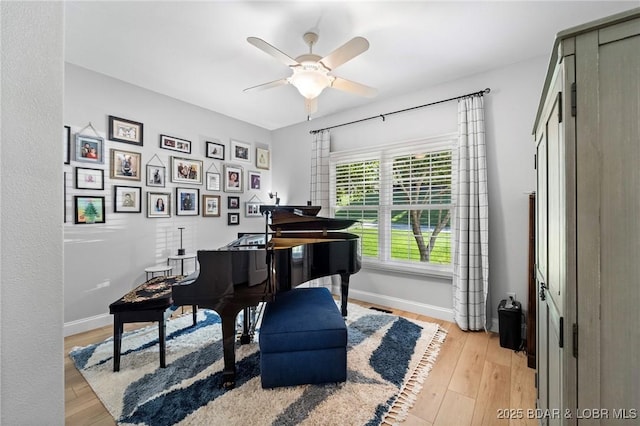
97, 321
403, 304
86, 324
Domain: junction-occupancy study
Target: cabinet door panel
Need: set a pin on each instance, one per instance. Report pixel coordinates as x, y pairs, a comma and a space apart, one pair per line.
551, 254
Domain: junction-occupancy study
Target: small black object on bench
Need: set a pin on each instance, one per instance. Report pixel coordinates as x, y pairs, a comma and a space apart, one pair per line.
149, 302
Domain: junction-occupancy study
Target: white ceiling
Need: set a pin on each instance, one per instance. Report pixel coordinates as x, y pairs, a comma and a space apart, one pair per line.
197, 51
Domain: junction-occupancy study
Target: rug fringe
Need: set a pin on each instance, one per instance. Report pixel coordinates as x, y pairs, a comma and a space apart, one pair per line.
410, 389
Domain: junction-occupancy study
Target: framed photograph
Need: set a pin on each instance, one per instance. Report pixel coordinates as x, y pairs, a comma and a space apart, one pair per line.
155, 175
89, 149
213, 181
158, 204
240, 151
127, 199
125, 165
233, 202
233, 218
127, 131
88, 210
185, 170
89, 178
215, 150
187, 200
175, 144
254, 180
66, 144
263, 160
211, 205
232, 179
252, 209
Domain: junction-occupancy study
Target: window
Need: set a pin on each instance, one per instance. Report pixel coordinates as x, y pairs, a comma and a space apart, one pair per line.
402, 197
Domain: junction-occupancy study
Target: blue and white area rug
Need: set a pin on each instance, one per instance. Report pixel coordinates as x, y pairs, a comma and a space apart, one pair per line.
388, 357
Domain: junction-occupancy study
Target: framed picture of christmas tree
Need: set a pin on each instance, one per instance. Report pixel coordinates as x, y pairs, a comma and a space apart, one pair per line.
88, 209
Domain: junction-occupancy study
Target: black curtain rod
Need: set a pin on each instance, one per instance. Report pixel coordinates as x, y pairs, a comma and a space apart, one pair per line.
480, 93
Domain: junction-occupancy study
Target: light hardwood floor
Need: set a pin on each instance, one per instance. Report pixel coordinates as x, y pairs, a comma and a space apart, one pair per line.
473, 381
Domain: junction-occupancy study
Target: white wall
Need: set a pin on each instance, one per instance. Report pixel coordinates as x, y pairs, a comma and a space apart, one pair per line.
509, 113
104, 261
31, 343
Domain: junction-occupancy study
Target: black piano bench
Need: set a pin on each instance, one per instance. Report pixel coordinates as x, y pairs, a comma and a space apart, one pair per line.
149, 302
303, 339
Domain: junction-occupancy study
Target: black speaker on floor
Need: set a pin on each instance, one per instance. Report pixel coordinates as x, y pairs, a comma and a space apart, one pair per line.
509, 323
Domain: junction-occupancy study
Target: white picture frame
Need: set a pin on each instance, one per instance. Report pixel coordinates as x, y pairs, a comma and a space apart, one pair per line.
233, 178
254, 181
186, 170
263, 159
240, 151
213, 181
156, 175
158, 204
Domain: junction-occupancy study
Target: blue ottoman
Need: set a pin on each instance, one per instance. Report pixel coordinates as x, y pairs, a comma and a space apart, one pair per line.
303, 339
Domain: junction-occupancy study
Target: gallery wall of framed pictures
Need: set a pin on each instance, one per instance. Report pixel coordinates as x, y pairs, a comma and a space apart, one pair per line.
103, 176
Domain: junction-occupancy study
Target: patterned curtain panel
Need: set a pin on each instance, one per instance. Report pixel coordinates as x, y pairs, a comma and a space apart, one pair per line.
319, 193
470, 233
320, 171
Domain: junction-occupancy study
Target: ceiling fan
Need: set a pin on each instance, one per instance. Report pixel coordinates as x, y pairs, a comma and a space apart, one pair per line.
311, 72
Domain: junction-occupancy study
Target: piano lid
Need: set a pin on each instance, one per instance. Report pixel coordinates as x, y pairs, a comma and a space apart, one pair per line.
303, 218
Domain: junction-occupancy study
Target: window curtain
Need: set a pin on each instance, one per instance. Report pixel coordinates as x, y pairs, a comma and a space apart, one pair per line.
319, 193
470, 233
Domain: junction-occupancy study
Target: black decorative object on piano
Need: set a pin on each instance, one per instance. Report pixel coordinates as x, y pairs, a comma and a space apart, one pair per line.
247, 271
181, 249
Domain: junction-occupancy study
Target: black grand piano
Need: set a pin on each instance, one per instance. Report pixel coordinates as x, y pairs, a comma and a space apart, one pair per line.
297, 246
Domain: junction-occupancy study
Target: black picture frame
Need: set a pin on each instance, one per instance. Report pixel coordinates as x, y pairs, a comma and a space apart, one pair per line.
233, 219
80, 205
233, 202
66, 144
127, 199
215, 150
175, 144
88, 178
127, 131
187, 201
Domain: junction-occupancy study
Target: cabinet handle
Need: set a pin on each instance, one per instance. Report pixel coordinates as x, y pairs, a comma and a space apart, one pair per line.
543, 296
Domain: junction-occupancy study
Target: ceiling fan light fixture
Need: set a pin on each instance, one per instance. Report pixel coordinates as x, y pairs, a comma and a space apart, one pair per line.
310, 79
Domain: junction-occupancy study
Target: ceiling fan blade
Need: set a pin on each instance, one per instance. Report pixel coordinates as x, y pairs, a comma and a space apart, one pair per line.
267, 48
347, 51
310, 105
268, 85
353, 87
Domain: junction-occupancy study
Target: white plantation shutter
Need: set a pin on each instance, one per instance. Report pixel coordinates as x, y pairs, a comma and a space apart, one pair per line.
394, 191
421, 203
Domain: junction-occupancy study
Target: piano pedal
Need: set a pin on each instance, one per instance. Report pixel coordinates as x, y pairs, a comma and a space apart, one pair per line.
246, 330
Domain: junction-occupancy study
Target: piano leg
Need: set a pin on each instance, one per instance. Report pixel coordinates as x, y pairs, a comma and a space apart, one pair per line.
344, 288
229, 349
